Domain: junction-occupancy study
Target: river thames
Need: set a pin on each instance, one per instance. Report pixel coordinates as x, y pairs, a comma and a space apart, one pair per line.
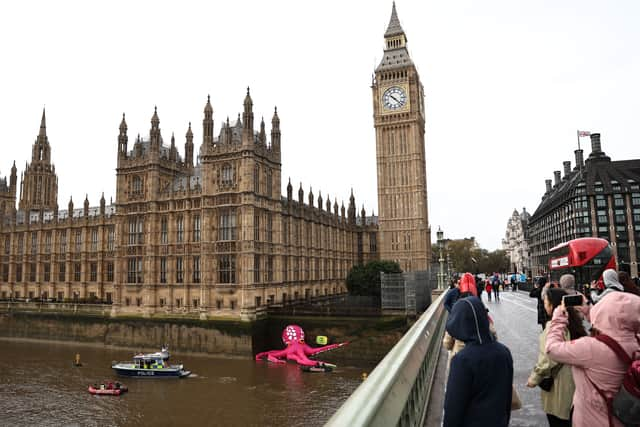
39, 386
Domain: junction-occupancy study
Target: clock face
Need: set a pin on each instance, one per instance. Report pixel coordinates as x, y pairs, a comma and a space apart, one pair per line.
394, 98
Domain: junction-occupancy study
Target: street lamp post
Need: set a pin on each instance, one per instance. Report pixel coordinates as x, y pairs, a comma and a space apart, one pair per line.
440, 235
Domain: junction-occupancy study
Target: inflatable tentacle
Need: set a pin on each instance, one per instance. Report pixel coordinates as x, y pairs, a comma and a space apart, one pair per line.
271, 354
310, 351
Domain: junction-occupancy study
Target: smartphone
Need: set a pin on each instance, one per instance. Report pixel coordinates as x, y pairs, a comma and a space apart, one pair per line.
572, 300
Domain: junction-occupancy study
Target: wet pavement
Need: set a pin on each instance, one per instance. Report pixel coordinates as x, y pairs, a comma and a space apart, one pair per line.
515, 318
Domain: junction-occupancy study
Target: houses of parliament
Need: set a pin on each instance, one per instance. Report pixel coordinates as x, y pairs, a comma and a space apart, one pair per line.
208, 232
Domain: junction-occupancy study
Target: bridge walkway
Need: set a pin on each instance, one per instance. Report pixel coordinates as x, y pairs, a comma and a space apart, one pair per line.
515, 317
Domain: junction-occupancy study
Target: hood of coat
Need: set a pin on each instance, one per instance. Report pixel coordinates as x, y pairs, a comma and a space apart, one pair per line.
616, 314
469, 322
610, 279
468, 284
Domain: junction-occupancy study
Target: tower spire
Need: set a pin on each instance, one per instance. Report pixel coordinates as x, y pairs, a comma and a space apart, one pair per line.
247, 119
122, 139
207, 123
394, 28
43, 124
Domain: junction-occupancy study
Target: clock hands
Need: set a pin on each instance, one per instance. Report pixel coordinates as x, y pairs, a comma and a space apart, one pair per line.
394, 98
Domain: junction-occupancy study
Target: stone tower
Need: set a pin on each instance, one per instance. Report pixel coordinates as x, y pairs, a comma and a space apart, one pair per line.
399, 120
39, 183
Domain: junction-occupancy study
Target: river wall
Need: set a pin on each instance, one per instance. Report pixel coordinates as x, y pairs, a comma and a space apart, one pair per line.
370, 338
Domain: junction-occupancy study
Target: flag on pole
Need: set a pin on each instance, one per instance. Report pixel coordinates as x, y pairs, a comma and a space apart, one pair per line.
582, 133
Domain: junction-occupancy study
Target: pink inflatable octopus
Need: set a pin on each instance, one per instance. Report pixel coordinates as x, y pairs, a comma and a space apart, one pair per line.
296, 350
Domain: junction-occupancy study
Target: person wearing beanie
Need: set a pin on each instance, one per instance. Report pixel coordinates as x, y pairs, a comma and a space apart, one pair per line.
568, 283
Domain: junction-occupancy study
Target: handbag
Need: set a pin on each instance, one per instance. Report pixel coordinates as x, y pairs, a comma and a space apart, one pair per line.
546, 383
516, 403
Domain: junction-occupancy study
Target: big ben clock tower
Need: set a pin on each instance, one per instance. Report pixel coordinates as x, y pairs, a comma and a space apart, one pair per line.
398, 111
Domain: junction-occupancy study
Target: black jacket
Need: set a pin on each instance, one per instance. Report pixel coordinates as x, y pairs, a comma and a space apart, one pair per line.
481, 374
450, 298
536, 292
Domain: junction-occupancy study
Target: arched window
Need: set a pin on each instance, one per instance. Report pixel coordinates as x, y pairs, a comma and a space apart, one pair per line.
228, 175
137, 185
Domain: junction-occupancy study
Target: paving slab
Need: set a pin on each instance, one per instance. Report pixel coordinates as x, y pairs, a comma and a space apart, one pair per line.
515, 317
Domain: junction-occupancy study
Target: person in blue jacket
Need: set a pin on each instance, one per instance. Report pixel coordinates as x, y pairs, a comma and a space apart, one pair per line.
481, 375
451, 296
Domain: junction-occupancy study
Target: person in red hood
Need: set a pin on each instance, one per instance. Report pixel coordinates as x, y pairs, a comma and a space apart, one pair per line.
468, 285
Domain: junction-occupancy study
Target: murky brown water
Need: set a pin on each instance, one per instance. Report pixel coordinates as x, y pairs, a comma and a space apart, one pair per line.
40, 387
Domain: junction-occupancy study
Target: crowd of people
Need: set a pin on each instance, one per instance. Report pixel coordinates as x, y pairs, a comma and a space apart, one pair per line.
587, 369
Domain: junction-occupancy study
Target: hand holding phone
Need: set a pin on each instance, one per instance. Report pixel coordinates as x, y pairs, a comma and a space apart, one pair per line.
572, 300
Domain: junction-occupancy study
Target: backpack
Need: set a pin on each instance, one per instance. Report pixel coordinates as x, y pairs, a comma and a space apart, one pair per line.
625, 404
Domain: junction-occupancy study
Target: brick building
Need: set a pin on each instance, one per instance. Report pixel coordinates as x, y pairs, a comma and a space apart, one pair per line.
597, 198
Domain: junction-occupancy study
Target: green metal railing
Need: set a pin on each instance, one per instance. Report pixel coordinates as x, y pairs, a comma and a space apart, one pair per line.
397, 391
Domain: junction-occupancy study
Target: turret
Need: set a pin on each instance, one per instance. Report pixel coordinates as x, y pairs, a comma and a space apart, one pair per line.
207, 123
86, 206
228, 133
247, 120
262, 136
335, 207
352, 209
289, 191
154, 133
320, 200
123, 139
328, 204
70, 207
311, 204
188, 149
102, 205
173, 152
13, 180
300, 195
363, 215
275, 131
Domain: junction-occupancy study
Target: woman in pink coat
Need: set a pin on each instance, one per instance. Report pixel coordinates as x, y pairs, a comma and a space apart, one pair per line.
615, 315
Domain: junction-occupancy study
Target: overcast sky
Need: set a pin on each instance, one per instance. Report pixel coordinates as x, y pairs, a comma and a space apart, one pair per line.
507, 85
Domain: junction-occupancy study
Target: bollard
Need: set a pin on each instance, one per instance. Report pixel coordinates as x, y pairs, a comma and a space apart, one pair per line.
77, 360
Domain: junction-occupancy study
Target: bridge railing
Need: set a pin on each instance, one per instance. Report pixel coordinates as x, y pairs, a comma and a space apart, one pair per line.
397, 391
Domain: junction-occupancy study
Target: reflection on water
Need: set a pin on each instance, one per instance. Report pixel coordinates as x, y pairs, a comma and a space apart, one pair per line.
40, 386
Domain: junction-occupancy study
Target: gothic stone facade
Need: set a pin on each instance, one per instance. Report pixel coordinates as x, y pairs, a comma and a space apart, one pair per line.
216, 238
399, 120
515, 242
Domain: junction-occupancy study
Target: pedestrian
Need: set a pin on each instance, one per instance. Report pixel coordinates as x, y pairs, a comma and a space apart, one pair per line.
479, 387
568, 283
468, 285
496, 288
466, 288
488, 288
593, 363
555, 379
536, 292
627, 283
451, 296
611, 284
479, 286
